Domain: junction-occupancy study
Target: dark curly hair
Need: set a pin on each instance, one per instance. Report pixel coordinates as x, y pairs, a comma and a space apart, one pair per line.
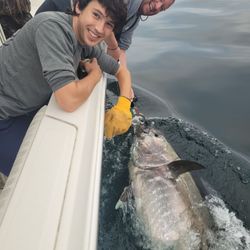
116, 10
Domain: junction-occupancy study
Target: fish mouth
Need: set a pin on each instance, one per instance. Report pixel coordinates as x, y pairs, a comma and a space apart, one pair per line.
149, 149
143, 127
146, 130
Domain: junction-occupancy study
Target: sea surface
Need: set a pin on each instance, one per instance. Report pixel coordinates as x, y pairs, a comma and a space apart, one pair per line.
196, 56
190, 69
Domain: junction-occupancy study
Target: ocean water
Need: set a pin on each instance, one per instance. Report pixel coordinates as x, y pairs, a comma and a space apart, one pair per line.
190, 69
196, 57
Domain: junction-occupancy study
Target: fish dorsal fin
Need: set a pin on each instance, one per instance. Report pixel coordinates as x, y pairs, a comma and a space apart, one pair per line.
182, 166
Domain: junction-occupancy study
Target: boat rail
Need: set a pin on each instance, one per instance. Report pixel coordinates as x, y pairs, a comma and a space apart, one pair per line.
51, 198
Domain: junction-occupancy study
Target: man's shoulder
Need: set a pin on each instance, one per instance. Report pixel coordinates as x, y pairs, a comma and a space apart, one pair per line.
54, 26
50, 17
133, 6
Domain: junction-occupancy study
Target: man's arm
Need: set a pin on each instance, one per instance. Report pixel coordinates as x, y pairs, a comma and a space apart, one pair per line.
110, 66
114, 50
118, 54
118, 119
112, 47
123, 57
73, 94
124, 81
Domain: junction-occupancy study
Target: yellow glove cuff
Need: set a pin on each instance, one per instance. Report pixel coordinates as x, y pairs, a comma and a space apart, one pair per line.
123, 103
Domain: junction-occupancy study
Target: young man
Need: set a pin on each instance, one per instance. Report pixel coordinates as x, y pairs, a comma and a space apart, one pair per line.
119, 41
42, 58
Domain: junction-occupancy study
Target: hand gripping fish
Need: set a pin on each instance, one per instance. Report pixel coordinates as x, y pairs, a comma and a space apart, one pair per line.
165, 196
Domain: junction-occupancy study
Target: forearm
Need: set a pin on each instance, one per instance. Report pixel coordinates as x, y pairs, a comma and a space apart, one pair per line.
123, 61
123, 57
112, 47
72, 95
114, 53
124, 81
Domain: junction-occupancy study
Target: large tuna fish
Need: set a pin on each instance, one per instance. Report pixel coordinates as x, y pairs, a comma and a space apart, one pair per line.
166, 199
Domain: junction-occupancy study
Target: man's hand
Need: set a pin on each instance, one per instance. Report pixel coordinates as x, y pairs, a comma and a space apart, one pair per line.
73, 94
92, 67
118, 119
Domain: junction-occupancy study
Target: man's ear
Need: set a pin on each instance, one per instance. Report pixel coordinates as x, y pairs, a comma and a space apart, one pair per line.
78, 11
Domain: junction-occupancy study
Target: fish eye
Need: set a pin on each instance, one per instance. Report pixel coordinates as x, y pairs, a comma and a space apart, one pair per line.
156, 135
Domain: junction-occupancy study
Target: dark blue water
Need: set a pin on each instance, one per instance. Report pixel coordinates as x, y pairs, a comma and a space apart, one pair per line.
196, 56
191, 74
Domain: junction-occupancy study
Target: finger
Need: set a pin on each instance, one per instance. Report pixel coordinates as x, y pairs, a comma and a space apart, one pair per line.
108, 117
109, 132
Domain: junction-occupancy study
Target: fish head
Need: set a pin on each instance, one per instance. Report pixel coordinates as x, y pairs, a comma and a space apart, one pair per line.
149, 149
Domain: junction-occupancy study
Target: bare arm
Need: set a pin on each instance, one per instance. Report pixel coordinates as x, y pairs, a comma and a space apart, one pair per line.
118, 54
123, 57
113, 48
123, 61
124, 81
72, 95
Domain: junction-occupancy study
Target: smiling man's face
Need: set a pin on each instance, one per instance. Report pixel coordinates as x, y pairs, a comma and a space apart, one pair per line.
92, 25
153, 7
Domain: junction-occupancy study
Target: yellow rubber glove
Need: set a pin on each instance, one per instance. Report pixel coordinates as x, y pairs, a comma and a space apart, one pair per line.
118, 119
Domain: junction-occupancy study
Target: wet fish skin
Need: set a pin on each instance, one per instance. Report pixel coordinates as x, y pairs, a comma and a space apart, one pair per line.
165, 201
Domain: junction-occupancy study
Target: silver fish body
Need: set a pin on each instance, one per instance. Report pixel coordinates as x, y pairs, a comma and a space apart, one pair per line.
166, 198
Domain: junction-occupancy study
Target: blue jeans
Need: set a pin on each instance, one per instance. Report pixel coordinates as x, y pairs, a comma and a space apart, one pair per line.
12, 132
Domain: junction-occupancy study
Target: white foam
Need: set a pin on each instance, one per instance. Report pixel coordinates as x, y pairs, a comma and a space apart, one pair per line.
231, 233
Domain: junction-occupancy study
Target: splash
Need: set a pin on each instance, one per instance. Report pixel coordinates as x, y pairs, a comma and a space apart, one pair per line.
230, 232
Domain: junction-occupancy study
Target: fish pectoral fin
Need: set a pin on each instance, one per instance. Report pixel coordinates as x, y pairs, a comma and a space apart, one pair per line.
125, 196
119, 204
182, 166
